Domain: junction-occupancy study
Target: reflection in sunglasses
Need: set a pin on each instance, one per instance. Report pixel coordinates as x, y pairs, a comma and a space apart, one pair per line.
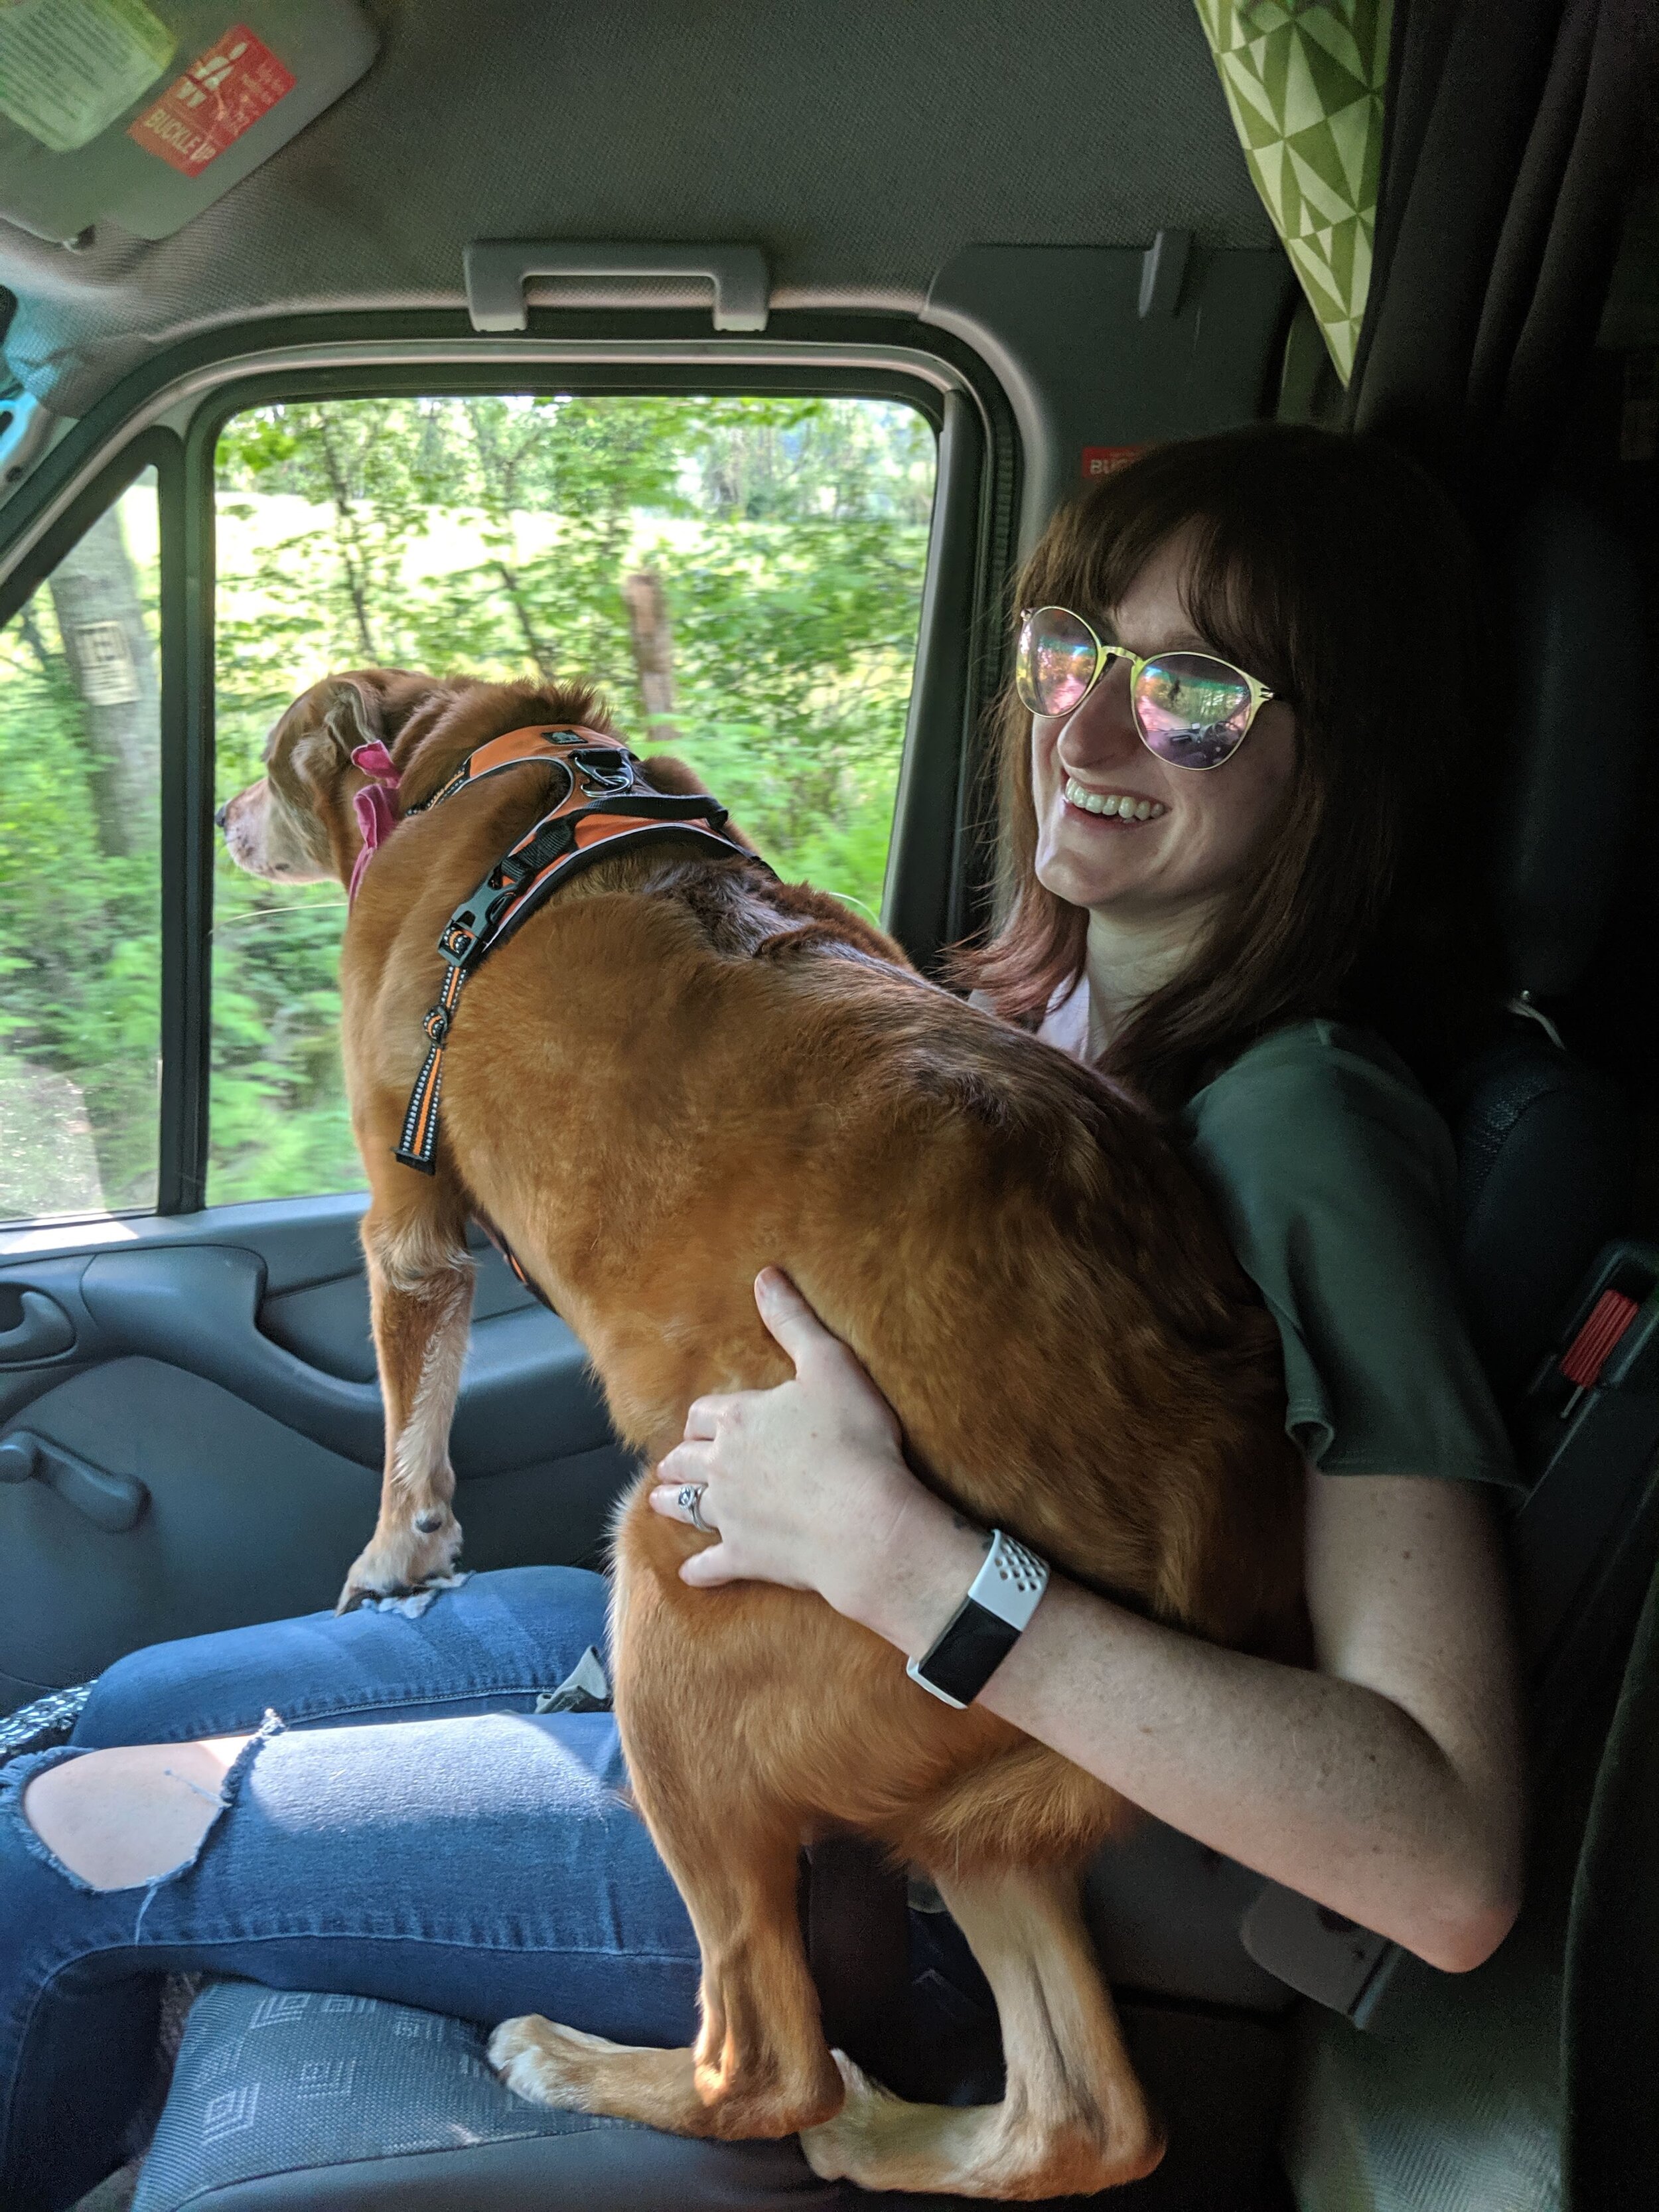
1193, 709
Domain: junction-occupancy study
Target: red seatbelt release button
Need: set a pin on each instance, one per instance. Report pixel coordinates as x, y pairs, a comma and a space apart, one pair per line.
1594, 1345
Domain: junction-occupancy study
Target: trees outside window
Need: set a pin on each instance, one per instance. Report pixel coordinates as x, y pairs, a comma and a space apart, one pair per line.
80, 888
741, 577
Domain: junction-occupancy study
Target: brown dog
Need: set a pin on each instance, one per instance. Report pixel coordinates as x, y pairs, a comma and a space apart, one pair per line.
673, 1075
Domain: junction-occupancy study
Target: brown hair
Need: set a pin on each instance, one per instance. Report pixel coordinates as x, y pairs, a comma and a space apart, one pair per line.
1333, 569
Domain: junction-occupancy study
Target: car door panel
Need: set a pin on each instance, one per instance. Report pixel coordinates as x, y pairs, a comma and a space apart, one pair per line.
524, 1379
325, 1322
245, 1519
223, 1361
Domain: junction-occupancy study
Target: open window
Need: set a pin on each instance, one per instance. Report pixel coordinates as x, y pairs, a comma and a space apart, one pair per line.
740, 575
80, 873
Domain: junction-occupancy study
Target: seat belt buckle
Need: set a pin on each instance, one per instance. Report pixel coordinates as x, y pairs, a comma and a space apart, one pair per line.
1610, 1342
1587, 1433
1318, 1952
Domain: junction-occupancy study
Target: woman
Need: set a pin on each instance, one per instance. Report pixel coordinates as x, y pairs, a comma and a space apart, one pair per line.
1313, 870
1196, 928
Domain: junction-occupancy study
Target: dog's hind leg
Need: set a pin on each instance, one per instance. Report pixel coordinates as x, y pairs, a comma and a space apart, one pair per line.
1073, 2119
760, 2066
420, 1281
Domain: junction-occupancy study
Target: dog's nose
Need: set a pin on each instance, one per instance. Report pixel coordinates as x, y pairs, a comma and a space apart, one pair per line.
219, 814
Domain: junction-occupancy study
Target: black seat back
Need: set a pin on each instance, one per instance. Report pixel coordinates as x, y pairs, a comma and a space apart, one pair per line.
1546, 1147
1545, 1163
1545, 1155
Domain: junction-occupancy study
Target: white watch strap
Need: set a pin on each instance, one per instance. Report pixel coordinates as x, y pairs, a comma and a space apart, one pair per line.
1011, 1580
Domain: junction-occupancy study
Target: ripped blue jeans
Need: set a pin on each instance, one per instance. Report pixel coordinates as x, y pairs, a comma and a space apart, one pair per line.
408, 1828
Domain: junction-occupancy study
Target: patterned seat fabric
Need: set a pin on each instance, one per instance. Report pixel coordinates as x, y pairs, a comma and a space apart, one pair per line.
297, 2101
266, 2078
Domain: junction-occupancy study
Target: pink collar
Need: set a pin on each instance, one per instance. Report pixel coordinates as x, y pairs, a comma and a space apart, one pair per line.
376, 817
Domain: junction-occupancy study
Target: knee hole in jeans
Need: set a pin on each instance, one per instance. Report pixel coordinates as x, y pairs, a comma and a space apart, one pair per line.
127, 1818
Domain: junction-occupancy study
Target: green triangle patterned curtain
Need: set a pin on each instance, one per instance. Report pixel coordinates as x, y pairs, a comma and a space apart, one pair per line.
1305, 80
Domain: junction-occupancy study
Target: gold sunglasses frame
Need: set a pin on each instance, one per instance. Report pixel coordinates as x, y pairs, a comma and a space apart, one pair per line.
1106, 654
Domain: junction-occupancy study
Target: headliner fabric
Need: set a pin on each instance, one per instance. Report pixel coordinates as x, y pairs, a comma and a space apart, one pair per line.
1306, 86
859, 144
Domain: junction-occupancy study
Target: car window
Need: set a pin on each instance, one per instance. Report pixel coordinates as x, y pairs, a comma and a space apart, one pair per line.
741, 576
80, 889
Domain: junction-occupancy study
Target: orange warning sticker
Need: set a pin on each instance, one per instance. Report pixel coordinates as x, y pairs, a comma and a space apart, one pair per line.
1103, 460
222, 93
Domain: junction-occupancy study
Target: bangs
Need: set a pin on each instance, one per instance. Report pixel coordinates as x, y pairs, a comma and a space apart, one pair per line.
1245, 598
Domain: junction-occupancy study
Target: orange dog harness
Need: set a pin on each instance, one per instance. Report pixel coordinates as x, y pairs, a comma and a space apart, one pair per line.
602, 807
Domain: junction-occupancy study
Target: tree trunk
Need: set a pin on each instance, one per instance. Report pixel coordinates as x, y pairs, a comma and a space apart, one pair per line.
112, 662
347, 539
652, 638
540, 654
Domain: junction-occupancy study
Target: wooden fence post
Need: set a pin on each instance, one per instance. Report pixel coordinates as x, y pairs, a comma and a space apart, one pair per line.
652, 638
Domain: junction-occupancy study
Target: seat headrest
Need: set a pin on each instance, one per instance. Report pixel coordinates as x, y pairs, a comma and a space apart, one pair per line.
1581, 700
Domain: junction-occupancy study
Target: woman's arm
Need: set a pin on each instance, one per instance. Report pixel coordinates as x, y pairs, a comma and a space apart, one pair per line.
1387, 1785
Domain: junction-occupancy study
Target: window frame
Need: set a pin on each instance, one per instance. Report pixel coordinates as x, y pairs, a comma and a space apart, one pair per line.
172, 414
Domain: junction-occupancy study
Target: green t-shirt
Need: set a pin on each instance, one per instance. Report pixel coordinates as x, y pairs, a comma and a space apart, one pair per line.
1336, 1181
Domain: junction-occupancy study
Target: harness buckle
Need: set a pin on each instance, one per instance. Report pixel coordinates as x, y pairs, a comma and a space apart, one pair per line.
458, 942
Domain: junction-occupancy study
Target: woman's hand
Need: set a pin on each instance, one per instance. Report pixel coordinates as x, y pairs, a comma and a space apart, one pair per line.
806, 1483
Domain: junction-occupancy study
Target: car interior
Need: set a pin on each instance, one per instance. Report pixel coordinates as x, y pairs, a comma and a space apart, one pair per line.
653, 343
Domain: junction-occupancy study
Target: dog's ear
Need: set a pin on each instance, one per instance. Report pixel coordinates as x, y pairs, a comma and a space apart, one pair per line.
391, 708
345, 713
362, 707
676, 781
356, 712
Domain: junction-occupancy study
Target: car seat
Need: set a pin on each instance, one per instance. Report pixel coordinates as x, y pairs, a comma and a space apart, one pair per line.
1453, 2095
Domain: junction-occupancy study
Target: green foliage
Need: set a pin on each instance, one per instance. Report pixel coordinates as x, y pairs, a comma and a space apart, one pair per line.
795, 642
80, 946
487, 536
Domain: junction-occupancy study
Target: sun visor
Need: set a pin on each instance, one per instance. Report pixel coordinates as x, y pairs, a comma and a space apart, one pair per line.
142, 113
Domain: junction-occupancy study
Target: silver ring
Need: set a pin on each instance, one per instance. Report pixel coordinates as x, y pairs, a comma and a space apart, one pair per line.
689, 1500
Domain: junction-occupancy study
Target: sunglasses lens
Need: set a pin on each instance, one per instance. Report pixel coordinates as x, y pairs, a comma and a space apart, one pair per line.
1054, 664
1192, 711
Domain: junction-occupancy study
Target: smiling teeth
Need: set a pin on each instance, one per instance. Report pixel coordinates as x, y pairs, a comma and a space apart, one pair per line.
1103, 802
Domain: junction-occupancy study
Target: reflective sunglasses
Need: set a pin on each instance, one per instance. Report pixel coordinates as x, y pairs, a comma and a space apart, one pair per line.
1192, 709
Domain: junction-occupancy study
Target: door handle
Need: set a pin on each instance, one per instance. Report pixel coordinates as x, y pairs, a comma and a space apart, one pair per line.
112, 1502
41, 1330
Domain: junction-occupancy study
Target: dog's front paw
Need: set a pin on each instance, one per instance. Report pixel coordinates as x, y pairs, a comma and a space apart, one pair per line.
397, 1561
546, 2065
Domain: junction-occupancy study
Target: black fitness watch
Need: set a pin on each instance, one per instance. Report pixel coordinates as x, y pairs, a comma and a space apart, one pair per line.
986, 1627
